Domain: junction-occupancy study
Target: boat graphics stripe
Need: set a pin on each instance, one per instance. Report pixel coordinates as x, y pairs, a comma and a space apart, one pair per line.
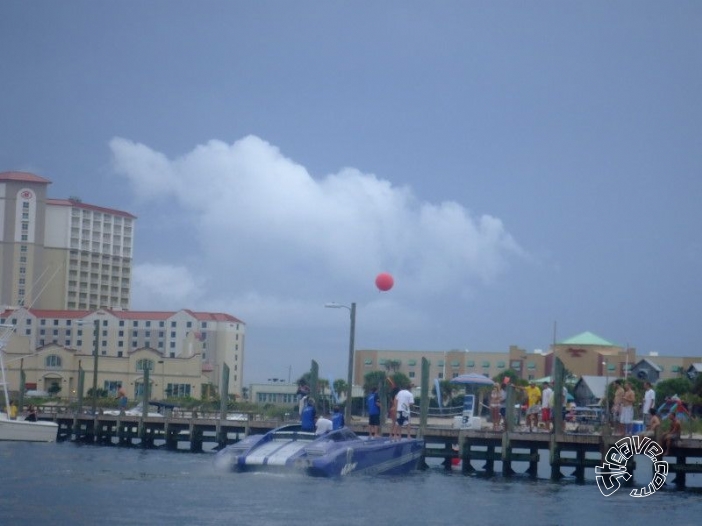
274, 453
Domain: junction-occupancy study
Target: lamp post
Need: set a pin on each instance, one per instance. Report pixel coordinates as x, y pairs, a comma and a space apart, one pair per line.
95, 364
606, 393
352, 336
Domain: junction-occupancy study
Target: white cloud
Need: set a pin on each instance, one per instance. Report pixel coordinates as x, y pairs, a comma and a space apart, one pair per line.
165, 286
272, 243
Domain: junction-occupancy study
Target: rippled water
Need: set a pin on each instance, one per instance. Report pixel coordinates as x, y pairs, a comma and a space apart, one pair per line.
70, 484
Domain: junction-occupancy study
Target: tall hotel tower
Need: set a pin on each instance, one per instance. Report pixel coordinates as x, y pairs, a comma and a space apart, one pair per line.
61, 253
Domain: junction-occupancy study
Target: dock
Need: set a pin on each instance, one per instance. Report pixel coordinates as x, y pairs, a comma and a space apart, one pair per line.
498, 451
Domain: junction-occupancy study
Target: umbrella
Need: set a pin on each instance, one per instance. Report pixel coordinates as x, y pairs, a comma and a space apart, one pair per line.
472, 379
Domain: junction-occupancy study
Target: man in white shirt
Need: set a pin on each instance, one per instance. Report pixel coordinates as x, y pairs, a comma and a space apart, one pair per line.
648, 402
405, 401
323, 425
546, 396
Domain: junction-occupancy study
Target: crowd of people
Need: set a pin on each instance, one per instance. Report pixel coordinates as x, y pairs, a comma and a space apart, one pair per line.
399, 413
538, 412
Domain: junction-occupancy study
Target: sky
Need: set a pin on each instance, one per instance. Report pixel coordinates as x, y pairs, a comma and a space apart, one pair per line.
525, 170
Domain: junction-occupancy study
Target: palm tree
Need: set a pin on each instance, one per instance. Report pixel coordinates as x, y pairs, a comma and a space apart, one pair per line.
341, 387
392, 365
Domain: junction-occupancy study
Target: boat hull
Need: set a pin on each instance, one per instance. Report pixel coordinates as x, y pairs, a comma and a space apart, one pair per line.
25, 431
335, 454
370, 457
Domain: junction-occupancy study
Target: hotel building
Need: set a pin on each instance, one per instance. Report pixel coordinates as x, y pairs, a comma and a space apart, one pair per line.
61, 253
184, 351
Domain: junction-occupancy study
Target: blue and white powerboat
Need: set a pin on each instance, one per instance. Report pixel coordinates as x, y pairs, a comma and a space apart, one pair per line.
334, 454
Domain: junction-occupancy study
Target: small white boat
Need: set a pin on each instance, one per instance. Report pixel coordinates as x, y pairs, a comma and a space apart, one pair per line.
20, 430
27, 431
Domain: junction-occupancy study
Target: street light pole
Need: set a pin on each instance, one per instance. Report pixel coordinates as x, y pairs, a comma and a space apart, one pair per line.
95, 364
352, 337
606, 390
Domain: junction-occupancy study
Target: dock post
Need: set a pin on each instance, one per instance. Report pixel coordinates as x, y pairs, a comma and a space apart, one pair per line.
464, 449
555, 458
680, 476
506, 433
448, 459
533, 464
490, 460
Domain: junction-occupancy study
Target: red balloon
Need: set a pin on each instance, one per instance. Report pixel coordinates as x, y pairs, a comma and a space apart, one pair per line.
384, 281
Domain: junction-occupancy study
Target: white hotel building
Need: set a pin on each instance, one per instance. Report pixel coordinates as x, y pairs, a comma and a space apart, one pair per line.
65, 264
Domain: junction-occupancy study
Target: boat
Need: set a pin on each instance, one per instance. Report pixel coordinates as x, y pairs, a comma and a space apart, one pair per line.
137, 410
20, 430
26, 430
334, 454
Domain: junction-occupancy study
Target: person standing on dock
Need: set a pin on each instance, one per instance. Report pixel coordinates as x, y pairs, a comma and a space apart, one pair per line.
648, 402
121, 399
373, 406
626, 418
495, 400
617, 406
533, 399
405, 401
546, 399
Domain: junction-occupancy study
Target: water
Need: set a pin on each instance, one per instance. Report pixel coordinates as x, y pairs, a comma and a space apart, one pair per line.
66, 483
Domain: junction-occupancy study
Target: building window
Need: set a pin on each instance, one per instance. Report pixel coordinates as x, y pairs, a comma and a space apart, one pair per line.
177, 390
412, 363
52, 361
411, 374
368, 362
470, 363
500, 365
144, 364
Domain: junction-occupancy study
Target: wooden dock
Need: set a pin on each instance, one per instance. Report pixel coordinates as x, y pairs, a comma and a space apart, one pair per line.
497, 450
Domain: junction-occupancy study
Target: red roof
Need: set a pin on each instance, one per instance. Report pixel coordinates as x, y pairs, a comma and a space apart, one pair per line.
23, 176
79, 204
126, 314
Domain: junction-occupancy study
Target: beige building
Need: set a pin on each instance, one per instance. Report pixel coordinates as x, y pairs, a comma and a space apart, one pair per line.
448, 364
585, 354
61, 253
182, 350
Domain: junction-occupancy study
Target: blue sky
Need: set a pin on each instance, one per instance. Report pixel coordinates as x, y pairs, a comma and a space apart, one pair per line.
512, 164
